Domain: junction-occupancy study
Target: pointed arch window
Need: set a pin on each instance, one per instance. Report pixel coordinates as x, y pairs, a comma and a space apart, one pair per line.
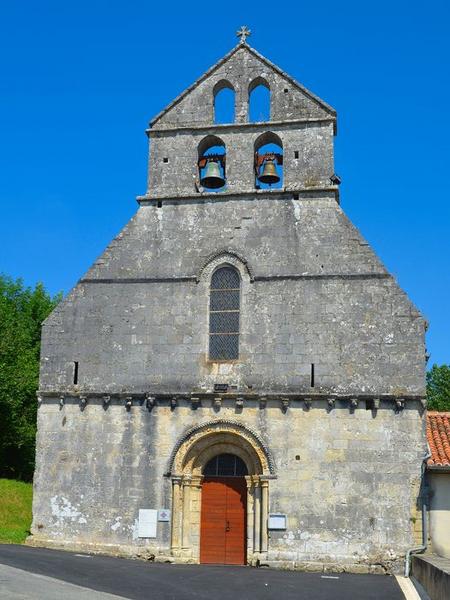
224, 314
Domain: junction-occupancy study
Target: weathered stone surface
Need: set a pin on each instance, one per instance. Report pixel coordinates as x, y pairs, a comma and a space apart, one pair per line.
96, 469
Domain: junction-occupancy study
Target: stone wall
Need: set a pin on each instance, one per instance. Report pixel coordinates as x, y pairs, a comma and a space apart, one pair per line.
346, 479
242, 68
173, 168
312, 293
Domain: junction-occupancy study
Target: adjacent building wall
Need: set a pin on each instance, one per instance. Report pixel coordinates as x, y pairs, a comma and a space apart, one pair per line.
440, 512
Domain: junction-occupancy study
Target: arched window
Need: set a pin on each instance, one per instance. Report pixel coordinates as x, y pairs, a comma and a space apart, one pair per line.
268, 161
224, 102
258, 101
225, 465
224, 306
212, 163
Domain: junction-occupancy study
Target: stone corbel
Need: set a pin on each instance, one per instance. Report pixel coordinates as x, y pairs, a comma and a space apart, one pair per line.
240, 403
285, 404
83, 402
376, 403
399, 404
263, 402
150, 402
39, 400
217, 402
128, 402
195, 402
423, 402
308, 403
354, 403
331, 402
61, 401
106, 401
173, 403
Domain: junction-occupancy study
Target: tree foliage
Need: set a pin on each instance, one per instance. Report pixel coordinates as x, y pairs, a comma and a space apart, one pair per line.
438, 388
22, 311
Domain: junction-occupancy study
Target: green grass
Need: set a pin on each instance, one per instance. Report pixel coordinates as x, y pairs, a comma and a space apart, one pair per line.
15, 511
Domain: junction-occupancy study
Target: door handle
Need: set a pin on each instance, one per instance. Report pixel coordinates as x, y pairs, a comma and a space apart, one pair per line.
227, 528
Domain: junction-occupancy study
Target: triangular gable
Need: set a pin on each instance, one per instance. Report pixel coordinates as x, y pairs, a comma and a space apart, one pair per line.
243, 45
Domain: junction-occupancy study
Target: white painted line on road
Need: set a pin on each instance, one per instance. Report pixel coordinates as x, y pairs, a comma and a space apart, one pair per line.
328, 577
84, 555
407, 587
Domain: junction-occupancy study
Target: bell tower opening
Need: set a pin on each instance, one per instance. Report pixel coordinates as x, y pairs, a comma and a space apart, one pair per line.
211, 163
268, 161
224, 103
259, 101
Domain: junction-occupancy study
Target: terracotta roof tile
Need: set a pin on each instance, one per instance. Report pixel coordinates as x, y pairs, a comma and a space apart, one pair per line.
438, 436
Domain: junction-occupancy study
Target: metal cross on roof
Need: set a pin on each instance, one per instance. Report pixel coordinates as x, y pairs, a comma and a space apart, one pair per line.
243, 33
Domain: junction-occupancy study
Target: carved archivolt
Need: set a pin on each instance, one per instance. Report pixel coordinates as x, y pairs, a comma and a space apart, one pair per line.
224, 256
202, 442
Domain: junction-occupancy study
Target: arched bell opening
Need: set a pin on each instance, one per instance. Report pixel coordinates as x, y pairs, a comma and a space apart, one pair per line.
212, 163
220, 492
268, 161
259, 101
224, 103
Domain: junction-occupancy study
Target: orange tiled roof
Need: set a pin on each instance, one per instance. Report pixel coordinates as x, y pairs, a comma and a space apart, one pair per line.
438, 436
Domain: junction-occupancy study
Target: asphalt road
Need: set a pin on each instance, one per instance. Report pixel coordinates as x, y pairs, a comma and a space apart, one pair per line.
140, 580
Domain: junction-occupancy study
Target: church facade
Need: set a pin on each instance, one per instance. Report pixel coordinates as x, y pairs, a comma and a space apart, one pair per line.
237, 379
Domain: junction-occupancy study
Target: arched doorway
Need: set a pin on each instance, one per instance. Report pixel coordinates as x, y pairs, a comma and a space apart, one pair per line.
220, 465
223, 523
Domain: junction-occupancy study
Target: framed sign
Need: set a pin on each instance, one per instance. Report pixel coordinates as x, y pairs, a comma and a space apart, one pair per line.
277, 521
147, 523
163, 514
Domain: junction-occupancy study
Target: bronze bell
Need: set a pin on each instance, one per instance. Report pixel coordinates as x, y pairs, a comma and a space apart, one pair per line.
212, 178
269, 173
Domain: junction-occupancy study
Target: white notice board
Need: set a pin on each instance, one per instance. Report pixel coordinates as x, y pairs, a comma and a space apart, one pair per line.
277, 521
147, 523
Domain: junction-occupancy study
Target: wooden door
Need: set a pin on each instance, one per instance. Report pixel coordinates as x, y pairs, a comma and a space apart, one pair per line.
223, 521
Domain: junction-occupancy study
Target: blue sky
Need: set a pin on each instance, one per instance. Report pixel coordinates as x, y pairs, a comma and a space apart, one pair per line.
80, 81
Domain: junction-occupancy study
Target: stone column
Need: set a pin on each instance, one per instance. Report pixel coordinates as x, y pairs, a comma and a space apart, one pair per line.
257, 515
176, 513
264, 515
194, 522
250, 517
241, 103
186, 520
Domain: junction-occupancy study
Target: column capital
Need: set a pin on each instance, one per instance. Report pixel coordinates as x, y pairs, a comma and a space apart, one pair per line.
196, 481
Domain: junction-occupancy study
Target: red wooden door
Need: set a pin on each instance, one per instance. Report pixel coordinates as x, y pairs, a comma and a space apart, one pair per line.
223, 521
